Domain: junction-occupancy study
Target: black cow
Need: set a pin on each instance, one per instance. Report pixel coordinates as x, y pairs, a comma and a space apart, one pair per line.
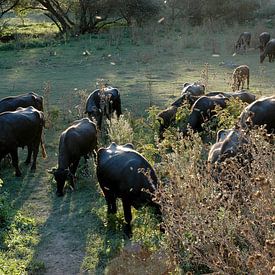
227, 145
11, 103
268, 51
123, 173
20, 128
80, 139
103, 102
194, 89
260, 112
202, 110
242, 95
264, 37
190, 93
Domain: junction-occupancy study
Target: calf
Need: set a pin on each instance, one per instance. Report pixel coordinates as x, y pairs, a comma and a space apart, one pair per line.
20, 128
80, 139
123, 173
239, 76
103, 102
25, 100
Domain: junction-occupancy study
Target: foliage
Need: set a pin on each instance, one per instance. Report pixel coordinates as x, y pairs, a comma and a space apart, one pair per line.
18, 237
225, 226
224, 118
199, 11
120, 130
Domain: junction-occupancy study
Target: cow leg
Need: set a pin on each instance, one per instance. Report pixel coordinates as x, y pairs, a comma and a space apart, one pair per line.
14, 158
28, 159
243, 83
111, 202
127, 216
35, 150
73, 168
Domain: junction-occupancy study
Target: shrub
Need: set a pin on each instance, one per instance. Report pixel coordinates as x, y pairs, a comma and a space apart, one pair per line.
120, 130
219, 227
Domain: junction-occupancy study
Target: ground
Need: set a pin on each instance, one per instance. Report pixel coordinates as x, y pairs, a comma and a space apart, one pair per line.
148, 69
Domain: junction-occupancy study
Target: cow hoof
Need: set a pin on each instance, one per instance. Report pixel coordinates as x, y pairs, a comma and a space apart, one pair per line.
128, 231
59, 194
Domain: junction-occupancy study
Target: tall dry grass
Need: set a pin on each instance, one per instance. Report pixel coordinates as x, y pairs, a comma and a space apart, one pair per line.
227, 226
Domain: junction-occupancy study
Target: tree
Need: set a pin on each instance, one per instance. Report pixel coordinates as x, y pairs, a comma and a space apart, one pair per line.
7, 5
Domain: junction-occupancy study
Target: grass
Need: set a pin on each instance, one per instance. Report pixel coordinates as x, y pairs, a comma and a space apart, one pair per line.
149, 66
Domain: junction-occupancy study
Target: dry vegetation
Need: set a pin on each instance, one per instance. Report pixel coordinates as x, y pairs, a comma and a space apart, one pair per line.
225, 226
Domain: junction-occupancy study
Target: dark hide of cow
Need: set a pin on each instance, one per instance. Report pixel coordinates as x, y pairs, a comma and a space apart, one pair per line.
215, 150
80, 139
123, 173
242, 95
190, 93
13, 102
202, 110
194, 89
229, 144
264, 37
21, 128
268, 51
260, 112
103, 102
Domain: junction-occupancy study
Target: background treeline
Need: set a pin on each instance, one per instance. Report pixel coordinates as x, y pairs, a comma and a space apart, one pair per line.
85, 16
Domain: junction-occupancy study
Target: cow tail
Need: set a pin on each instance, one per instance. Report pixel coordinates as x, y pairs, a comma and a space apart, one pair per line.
42, 143
43, 149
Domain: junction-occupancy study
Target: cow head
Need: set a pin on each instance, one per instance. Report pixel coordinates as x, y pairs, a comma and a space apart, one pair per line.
60, 176
96, 116
262, 57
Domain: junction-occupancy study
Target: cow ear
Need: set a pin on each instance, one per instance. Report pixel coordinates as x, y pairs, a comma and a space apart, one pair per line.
129, 145
186, 84
52, 171
221, 135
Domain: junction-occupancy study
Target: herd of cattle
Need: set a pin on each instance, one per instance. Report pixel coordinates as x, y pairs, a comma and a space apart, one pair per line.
121, 171
266, 45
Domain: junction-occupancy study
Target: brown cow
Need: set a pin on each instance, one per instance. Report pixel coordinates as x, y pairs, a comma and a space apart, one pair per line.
239, 76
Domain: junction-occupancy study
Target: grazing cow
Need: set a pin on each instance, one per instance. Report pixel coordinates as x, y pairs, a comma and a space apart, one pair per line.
263, 38
243, 42
103, 103
20, 128
240, 74
215, 150
80, 139
194, 89
202, 110
227, 145
190, 93
260, 112
268, 51
123, 173
25, 100
166, 118
242, 95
